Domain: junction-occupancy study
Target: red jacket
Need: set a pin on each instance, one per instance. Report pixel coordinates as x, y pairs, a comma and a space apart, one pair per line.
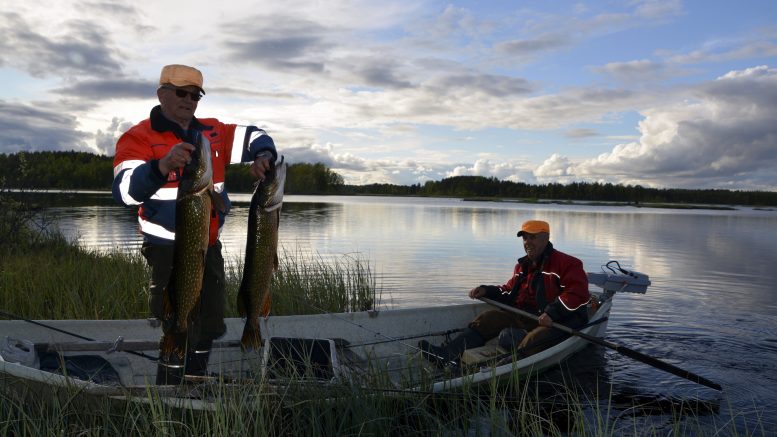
560, 276
138, 182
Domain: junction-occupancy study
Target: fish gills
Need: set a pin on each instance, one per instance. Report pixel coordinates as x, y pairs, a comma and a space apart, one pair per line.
261, 256
192, 220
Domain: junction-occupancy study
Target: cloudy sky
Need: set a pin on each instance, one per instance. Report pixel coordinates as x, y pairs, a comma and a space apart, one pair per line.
662, 93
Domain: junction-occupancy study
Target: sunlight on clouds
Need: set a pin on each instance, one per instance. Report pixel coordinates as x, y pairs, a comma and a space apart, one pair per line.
509, 170
690, 143
554, 167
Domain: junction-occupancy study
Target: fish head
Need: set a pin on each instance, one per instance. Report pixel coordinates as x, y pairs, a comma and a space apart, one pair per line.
198, 173
272, 186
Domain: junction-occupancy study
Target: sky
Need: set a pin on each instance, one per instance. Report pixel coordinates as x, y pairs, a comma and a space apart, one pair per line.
660, 93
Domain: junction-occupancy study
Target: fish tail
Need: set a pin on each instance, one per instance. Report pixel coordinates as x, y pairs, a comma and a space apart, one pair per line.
172, 347
252, 336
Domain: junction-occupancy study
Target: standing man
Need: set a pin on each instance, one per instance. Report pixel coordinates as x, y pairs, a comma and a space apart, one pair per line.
545, 282
146, 171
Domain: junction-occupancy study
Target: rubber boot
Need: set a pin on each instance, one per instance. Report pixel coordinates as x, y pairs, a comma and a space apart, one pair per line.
197, 359
197, 362
169, 373
447, 354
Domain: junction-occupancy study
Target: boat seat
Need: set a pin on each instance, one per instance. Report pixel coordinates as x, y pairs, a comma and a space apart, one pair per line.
479, 355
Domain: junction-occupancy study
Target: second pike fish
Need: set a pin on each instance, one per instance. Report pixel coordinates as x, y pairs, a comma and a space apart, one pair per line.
261, 256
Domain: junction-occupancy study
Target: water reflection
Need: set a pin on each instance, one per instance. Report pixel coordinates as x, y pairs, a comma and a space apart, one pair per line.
445, 246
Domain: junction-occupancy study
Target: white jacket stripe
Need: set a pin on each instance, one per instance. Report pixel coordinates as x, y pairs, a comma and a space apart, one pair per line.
154, 229
165, 194
560, 298
237, 145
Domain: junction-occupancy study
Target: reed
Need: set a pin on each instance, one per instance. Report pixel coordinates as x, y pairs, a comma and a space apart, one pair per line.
525, 406
44, 276
306, 283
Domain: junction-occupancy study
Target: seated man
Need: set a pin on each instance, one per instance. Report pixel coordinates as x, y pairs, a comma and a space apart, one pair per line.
546, 282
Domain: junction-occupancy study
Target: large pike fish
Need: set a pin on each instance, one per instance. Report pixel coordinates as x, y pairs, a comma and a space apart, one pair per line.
261, 256
181, 298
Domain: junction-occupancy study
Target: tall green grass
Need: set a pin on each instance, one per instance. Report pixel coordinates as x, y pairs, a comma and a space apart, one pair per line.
520, 407
44, 276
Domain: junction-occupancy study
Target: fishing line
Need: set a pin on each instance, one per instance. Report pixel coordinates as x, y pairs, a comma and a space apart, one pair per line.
388, 338
16, 317
407, 337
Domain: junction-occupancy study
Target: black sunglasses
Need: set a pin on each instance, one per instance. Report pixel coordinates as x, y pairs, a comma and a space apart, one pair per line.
181, 93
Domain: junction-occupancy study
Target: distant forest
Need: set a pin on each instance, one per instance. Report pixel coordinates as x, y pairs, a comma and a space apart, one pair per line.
87, 171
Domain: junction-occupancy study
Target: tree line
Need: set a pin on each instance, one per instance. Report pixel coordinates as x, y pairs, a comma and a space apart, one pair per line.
483, 187
81, 170
88, 171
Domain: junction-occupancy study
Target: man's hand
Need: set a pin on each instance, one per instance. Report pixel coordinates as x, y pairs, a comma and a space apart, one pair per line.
477, 292
178, 156
545, 320
261, 165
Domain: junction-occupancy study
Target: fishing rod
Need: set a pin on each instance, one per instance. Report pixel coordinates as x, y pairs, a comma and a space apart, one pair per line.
17, 317
631, 353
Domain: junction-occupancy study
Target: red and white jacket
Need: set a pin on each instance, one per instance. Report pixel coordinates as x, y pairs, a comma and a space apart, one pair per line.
557, 285
138, 182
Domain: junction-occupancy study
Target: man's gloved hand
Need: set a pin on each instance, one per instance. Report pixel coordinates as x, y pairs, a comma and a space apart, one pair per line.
261, 165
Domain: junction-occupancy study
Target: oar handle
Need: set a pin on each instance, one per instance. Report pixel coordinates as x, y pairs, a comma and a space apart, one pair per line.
631, 353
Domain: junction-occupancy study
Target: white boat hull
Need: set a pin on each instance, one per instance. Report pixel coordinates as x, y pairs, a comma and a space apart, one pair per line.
385, 339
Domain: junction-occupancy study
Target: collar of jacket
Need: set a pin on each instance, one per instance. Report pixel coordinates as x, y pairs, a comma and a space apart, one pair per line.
160, 123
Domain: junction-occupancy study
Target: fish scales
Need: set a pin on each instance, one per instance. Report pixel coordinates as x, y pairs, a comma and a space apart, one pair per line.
192, 221
261, 255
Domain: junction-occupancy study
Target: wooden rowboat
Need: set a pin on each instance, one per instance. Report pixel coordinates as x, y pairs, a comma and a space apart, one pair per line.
370, 348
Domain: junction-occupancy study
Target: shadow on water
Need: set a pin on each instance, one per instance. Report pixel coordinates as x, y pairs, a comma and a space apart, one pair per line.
584, 384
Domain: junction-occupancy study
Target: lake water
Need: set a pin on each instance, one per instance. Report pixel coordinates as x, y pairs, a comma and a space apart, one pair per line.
711, 309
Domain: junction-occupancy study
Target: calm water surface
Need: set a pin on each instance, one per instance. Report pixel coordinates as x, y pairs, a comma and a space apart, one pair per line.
711, 307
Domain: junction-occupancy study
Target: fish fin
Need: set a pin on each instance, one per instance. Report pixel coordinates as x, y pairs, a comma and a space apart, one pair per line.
252, 335
275, 262
217, 201
189, 319
266, 305
271, 208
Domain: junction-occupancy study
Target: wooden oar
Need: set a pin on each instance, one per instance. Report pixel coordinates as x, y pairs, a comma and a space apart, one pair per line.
631, 353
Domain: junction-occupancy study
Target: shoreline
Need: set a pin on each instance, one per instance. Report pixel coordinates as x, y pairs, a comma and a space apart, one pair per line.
107, 196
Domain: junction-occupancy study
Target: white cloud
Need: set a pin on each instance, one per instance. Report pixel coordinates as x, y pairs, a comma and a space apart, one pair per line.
511, 171
554, 168
728, 132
